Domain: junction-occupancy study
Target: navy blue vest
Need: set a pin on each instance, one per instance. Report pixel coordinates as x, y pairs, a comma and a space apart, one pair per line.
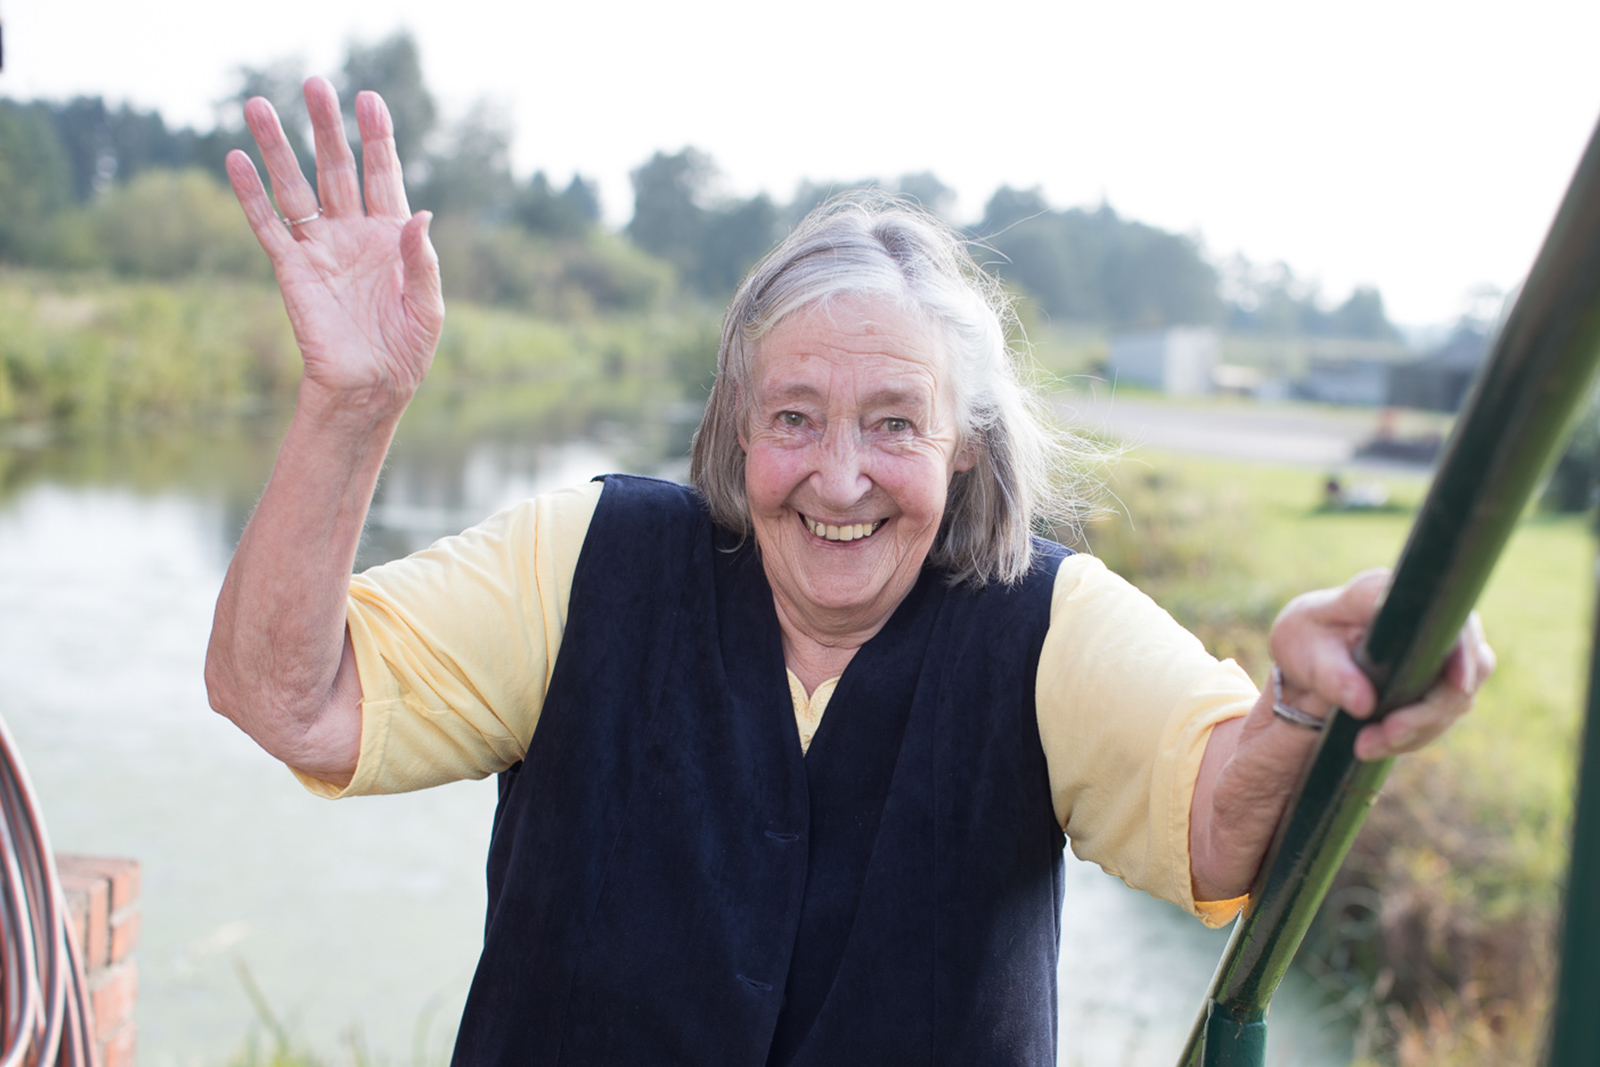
672, 882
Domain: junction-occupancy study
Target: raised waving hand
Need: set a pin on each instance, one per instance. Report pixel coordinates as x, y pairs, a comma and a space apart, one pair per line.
360, 282
361, 285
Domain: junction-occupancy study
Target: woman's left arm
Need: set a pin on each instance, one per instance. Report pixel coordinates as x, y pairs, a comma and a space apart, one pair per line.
1252, 764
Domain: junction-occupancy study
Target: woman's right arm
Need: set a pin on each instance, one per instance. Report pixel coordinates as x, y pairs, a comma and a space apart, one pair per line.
361, 286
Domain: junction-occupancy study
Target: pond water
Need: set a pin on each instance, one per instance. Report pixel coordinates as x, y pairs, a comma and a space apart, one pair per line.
358, 921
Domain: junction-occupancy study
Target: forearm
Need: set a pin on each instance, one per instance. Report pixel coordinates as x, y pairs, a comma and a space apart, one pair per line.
279, 664
1249, 770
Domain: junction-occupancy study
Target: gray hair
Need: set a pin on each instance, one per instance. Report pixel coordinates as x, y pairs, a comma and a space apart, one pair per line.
865, 244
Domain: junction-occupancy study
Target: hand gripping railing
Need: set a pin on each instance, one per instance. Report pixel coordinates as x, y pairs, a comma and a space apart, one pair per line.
1541, 370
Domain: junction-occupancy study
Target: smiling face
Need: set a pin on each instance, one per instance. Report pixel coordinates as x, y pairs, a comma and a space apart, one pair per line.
850, 442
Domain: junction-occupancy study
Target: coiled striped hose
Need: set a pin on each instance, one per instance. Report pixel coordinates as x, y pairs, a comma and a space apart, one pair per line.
45, 1015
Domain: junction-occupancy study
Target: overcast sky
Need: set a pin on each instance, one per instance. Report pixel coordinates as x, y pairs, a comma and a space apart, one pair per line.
1419, 146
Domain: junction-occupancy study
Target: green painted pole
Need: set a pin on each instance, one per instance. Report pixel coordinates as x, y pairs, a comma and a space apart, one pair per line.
1232, 1041
1542, 368
1575, 1019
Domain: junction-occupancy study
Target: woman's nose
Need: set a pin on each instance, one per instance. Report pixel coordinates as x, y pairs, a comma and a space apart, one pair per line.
842, 465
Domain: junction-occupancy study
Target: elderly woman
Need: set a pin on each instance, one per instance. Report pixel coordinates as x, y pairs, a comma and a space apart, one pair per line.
787, 758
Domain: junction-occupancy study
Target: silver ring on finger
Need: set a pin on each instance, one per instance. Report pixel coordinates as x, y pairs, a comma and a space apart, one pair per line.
1288, 712
292, 223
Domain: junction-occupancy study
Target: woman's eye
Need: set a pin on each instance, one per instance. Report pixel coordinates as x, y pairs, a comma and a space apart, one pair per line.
897, 425
792, 419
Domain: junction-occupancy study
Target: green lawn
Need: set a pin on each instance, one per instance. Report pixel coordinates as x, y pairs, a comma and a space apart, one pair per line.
1247, 536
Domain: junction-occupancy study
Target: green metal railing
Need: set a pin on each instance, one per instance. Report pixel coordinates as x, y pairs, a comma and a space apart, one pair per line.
1540, 372
1575, 1019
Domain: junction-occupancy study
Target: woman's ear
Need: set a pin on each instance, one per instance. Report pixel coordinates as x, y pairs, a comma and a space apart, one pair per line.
966, 457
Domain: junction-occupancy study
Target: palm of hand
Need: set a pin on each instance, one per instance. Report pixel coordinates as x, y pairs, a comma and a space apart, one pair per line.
360, 282
354, 322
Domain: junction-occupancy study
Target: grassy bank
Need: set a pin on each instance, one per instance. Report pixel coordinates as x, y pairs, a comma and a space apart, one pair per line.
78, 352
1434, 938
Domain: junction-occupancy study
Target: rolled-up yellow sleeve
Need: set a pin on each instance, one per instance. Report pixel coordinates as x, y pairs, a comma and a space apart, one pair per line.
1126, 700
455, 644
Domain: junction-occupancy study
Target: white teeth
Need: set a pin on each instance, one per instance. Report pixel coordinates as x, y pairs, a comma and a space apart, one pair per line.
844, 533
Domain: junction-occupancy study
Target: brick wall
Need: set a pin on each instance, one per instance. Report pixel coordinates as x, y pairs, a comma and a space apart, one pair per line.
103, 897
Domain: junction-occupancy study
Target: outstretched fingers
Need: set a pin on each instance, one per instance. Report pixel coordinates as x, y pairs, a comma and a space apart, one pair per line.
385, 186
337, 184
269, 230
295, 197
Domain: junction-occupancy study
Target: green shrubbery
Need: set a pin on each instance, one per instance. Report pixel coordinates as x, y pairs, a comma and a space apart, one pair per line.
567, 278
86, 350
169, 224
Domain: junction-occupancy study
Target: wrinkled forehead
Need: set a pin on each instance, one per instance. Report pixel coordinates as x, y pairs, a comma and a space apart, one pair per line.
885, 334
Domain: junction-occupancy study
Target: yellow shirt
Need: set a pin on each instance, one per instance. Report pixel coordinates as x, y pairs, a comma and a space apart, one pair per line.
455, 646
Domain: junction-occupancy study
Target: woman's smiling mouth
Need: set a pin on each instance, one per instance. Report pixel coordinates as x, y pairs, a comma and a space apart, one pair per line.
852, 532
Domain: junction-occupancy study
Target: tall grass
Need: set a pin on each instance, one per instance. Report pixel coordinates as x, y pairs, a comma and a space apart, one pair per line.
272, 1042
1436, 936
84, 351
81, 351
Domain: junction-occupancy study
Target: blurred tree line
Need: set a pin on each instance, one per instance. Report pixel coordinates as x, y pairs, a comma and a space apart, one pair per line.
87, 186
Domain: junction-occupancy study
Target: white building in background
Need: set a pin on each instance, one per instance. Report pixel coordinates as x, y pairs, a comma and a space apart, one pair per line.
1354, 380
1180, 360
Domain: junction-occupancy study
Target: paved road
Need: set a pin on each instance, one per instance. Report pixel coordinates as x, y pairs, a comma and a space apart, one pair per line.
1301, 434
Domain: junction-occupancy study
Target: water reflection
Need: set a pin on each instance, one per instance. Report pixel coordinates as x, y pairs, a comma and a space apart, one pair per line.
430, 492
362, 914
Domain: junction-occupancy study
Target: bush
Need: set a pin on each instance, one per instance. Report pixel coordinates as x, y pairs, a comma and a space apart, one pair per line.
79, 350
174, 224
88, 352
566, 279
